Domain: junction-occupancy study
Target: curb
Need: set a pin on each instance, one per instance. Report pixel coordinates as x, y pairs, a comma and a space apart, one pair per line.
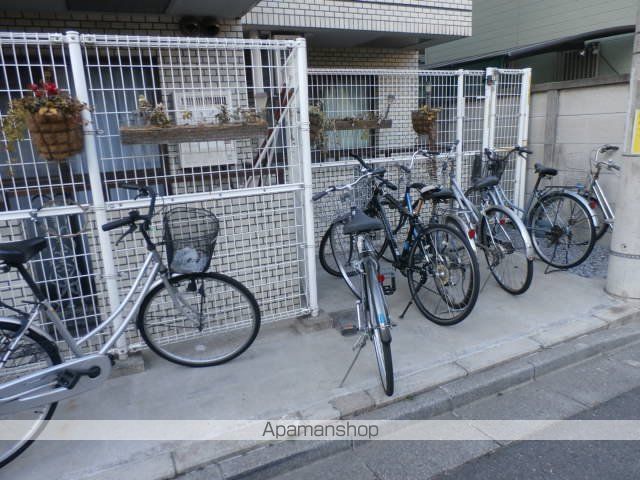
432, 392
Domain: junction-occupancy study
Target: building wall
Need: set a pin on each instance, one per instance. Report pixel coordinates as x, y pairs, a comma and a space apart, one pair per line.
443, 17
500, 24
587, 117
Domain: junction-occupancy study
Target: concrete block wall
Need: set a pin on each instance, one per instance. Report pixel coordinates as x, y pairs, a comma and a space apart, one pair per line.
569, 120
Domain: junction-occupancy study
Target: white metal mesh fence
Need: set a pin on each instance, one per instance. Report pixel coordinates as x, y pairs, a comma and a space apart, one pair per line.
232, 144
372, 113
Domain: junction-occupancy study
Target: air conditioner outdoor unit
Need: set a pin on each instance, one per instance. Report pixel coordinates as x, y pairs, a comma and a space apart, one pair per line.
202, 106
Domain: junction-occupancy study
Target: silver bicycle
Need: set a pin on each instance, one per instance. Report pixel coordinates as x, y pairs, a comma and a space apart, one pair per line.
593, 193
493, 228
195, 319
357, 260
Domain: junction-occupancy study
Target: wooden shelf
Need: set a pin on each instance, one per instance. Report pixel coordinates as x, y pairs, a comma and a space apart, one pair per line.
360, 124
191, 133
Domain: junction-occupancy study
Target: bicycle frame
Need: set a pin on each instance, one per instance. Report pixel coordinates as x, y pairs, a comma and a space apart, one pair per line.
152, 266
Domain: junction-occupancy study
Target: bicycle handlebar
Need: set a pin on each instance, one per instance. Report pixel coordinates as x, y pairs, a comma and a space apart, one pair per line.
134, 215
378, 172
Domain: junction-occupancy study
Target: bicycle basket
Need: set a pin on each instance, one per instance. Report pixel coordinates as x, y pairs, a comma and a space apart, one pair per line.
483, 167
190, 237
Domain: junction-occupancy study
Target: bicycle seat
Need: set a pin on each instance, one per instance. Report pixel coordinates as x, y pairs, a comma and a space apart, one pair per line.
436, 194
17, 253
486, 182
542, 170
361, 223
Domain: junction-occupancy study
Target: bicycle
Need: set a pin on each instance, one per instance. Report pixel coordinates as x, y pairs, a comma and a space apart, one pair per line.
371, 307
189, 316
560, 222
593, 193
437, 260
493, 228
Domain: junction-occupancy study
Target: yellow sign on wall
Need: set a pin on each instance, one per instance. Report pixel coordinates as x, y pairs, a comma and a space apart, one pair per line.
635, 137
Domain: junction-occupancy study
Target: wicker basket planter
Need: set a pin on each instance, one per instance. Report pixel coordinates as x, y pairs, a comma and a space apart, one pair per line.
424, 123
56, 137
149, 134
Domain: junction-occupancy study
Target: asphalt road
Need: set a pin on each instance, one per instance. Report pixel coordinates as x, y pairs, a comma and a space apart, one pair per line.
606, 387
564, 460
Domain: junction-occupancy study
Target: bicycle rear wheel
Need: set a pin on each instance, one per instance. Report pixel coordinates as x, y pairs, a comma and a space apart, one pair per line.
216, 320
382, 350
562, 230
505, 250
325, 254
33, 353
443, 275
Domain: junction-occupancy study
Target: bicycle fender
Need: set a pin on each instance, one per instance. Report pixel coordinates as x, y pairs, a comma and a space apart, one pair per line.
521, 228
461, 227
37, 330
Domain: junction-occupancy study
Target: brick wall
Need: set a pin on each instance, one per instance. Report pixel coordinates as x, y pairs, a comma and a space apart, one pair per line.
134, 24
418, 17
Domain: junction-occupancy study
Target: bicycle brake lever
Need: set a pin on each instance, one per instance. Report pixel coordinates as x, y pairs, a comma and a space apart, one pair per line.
131, 229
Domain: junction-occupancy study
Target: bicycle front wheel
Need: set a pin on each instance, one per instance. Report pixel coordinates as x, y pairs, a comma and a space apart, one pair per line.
443, 275
598, 212
204, 319
33, 353
562, 230
505, 249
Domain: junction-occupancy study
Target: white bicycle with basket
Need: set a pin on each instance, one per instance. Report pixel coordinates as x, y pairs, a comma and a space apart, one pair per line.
187, 315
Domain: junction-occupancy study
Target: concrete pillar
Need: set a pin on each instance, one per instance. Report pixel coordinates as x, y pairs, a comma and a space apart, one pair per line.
623, 278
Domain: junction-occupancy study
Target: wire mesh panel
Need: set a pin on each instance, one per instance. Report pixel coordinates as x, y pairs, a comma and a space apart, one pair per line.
207, 123
386, 115
508, 91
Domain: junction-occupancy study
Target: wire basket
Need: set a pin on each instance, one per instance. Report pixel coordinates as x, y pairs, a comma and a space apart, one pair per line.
485, 167
190, 237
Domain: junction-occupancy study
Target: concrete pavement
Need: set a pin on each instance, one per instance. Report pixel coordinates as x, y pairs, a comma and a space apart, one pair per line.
294, 368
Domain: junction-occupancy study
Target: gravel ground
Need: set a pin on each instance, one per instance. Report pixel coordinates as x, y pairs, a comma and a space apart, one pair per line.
596, 265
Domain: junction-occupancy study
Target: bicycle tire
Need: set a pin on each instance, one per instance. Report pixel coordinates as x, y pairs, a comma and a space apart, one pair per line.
344, 252
51, 351
382, 350
553, 228
493, 259
325, 254
159, 334
448, 266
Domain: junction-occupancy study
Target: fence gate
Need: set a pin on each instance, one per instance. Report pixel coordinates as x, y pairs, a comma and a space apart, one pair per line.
257, 179
368, 112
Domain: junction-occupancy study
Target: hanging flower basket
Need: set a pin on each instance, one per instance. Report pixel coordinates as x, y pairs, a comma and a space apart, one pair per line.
56, 137
424, 121
52, 118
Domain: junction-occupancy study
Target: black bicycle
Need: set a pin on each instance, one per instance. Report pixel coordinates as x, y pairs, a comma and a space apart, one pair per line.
437, 260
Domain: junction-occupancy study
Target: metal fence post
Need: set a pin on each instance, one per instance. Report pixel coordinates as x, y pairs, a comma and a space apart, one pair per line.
305, 159
492, 81
460, 124
523, 136
488, 87
93, 167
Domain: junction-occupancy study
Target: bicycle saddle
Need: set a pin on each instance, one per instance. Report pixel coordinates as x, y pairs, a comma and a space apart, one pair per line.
361, 223
486, 182
17, 253
542, 170
436, 194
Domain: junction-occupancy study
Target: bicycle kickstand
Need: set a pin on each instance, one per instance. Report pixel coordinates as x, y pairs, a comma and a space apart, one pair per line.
359, 345
401, 316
